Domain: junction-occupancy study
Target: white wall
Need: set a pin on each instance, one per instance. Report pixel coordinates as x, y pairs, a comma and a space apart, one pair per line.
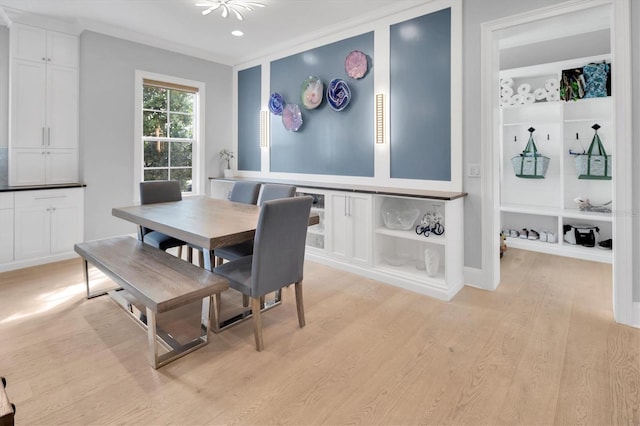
107, 68
4, 86
635, 48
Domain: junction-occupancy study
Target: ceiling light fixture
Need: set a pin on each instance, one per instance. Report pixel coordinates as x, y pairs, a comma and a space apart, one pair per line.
235, 6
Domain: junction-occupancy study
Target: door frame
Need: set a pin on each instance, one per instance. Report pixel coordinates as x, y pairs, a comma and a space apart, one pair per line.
623, 306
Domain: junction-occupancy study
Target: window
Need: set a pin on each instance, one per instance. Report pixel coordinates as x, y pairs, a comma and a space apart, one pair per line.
168, 131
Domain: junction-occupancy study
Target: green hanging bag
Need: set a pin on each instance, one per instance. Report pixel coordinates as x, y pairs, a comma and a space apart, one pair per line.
595, 163
530, 164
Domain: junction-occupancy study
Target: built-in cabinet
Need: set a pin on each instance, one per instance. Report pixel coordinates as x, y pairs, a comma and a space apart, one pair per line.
6, 227
40, 226
352, 235
44, 90
350, 230
561, 128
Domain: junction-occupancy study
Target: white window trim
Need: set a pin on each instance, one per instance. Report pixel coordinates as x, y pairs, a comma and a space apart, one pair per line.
198, 184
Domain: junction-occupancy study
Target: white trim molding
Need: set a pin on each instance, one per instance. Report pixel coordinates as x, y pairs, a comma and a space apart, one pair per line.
623, 261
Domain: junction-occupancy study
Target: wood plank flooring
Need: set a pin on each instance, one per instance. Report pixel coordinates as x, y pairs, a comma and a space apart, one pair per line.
542, 349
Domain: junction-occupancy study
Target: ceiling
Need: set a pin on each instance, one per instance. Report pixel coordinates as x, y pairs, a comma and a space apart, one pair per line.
179, 25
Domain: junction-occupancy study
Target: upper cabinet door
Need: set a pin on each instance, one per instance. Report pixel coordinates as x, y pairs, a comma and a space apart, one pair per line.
29, 43
40, 45
62, 49
62, 107
28, 106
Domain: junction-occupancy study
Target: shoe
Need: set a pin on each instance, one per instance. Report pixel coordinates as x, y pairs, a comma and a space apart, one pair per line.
543, 236
524, 234
606, 244
513, 233
533, 235
551, 237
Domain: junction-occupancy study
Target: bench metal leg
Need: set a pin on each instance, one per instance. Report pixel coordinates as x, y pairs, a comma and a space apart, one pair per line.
90, 295
176, 350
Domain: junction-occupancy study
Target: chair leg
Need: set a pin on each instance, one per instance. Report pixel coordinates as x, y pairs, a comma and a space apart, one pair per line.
300, 304
216, 305
189, 254
201, 258
257, 323
180, 252
245, 301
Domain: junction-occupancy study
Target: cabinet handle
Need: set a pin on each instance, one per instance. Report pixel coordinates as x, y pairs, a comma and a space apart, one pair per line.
44, 59
48, 136
51, 197
48, 59
43, 144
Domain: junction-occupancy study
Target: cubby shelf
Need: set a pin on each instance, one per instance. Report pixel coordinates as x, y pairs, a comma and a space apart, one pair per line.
548, 204
411, 235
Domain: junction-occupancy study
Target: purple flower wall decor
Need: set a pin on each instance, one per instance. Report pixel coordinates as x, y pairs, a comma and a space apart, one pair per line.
292, 117
355, 64
276, 103
338, 94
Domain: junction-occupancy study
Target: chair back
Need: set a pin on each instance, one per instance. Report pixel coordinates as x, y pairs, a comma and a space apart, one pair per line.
274, 191
279, 244
245, 192
158, 191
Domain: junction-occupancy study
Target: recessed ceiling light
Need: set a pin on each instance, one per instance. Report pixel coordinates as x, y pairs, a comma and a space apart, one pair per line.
226, 6
237, 33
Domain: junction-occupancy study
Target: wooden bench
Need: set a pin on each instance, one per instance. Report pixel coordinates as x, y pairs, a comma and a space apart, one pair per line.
159, 281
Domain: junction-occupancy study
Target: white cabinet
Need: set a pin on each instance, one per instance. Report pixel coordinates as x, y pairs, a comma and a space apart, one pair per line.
44, 107
47, 222
546, 205
6, 227
316, 233
350, 227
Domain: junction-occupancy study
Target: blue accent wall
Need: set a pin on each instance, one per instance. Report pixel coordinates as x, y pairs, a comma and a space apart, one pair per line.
249, 91
420, 97
329, 142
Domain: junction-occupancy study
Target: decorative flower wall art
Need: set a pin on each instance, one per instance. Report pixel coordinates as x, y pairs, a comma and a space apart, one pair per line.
276, 103
311, 92
338, 94
292, 117
355, 64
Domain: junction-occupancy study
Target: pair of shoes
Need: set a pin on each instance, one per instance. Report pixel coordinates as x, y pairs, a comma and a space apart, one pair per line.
606, 244
524, 234
533, 235
513, 233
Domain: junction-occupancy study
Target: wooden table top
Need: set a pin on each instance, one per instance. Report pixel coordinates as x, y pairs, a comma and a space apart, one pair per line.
205, 222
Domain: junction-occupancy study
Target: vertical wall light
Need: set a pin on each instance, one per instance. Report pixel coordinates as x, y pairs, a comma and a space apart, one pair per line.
379, 118
264, 128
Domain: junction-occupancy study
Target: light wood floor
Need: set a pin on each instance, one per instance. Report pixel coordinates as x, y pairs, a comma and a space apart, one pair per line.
542, 349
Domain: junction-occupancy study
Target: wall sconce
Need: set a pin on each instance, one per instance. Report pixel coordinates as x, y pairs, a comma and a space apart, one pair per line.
379, 118
264, 128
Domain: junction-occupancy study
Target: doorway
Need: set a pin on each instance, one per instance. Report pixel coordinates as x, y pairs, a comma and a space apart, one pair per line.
549, 25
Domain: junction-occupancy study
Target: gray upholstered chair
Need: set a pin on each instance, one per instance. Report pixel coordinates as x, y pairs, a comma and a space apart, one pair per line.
268, 191
242, 192
159, 191
277, 259
245, 192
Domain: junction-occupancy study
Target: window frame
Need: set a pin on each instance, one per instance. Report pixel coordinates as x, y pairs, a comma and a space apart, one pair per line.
198, 163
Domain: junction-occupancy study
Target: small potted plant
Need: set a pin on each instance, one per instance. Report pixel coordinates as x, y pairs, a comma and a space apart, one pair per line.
226, 156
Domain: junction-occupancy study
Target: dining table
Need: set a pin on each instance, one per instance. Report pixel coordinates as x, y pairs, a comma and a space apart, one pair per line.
201, 221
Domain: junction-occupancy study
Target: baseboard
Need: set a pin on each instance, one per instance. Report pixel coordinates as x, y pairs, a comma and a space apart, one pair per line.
474, 277
635, 315
26, 263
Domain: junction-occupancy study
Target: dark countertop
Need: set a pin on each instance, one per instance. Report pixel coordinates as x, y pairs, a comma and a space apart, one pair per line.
381, 190
7, 188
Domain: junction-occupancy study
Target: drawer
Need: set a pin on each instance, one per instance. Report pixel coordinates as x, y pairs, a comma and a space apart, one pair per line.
6, 200
49, 197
